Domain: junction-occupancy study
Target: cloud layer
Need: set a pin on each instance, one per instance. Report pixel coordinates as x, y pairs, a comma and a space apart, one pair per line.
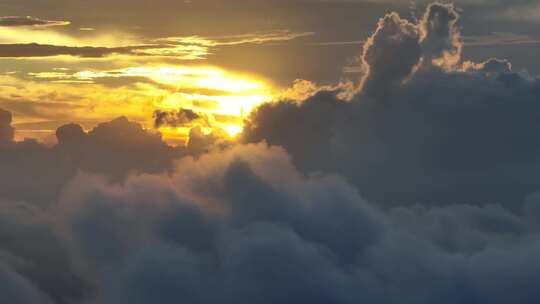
242, 224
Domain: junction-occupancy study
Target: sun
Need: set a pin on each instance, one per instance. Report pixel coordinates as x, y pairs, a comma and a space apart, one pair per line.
233, 130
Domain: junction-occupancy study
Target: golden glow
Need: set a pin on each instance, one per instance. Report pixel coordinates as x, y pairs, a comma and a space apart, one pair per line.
52, 37
223, 99
233, 130
214, 93
136, 76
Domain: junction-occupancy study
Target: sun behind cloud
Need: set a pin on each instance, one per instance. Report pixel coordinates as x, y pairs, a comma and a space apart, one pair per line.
221, 98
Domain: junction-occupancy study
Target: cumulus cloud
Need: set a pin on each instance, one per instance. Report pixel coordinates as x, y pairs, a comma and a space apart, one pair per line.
112, 149
130, 148
424, 125
440, 37
390, 53
244, 223
399, 47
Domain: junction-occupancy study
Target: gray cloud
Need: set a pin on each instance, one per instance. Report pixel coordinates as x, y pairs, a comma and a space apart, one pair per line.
245, 224
433, 130
113, 149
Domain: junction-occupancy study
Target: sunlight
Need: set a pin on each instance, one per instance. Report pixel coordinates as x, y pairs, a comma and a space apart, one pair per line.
222, 99
233, 130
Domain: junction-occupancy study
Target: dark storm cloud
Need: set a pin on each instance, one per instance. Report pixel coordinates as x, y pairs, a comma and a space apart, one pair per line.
29, 21
419, 130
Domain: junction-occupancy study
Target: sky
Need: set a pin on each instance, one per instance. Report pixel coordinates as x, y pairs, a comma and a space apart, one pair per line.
269, 151
86, 62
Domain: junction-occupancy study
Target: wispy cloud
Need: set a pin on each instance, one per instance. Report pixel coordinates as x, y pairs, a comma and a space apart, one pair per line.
250, 38
499, 38
10, 21
47, 50
25, 43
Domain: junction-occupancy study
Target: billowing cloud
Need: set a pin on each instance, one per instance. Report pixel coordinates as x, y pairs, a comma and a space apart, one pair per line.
114, 149
436, 130
246, 224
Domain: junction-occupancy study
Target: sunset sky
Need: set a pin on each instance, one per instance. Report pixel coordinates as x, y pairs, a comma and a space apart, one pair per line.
269, 152
89, 61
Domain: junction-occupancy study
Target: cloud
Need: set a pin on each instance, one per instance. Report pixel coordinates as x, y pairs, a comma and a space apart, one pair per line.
26, 266
16, 289
114, 149
231, 40
45, 50
174, 119
245, 223
439, 35
180, 48
130, 148
390, 53
427, 126
30, 21
398, 47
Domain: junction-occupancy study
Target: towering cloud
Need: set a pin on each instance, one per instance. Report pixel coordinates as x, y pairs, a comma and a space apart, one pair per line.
398, 48
390, 54
440, 37
425, 126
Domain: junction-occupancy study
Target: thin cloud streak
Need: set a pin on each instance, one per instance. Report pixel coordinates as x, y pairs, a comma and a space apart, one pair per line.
16, 21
